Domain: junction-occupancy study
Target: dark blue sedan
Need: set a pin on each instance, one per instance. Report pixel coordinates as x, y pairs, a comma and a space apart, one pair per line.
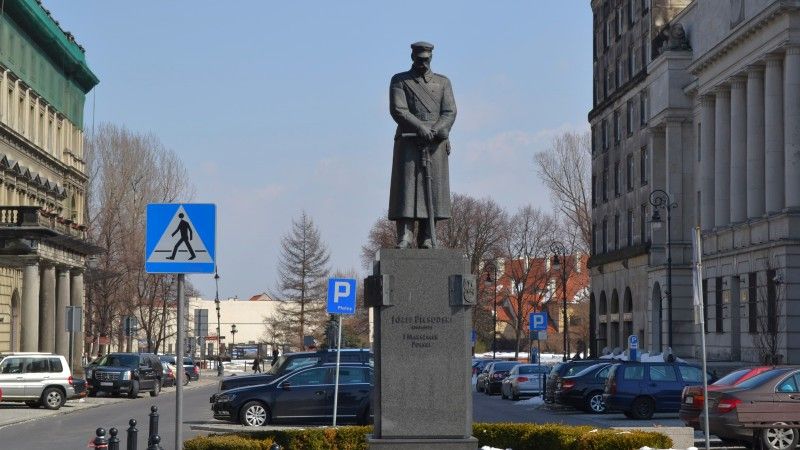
305, 395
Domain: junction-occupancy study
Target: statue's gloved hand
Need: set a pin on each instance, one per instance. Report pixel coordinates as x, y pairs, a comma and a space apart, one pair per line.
425, 133
440, 134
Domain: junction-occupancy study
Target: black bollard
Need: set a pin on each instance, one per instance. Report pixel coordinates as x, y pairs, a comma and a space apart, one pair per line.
275, 446
113, 442
100, 440
132, 435
153, 423
154, 443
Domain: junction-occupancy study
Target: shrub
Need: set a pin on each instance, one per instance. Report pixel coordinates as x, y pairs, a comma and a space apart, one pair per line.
517, 436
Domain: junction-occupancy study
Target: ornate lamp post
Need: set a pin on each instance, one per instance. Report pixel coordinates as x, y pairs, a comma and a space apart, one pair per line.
491, 277
219, 332
233, 338
559, 249
661, 199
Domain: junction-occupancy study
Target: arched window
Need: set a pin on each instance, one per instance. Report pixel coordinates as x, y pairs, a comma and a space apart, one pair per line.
627, 306
603, 303
614, 302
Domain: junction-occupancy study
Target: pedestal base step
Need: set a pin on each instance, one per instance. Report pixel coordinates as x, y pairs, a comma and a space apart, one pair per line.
419, 444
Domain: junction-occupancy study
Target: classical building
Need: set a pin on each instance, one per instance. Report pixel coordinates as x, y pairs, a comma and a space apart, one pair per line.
719, 131
43, 249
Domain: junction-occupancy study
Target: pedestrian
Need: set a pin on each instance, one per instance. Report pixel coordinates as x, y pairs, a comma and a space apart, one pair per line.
275, 355
256, 365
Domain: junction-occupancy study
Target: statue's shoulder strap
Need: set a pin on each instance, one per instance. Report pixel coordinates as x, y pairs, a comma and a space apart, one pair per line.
422, 94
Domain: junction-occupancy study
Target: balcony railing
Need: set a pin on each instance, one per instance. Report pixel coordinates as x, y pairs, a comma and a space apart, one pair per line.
34, 217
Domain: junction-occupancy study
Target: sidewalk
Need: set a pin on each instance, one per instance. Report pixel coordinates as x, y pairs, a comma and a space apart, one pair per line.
16, 413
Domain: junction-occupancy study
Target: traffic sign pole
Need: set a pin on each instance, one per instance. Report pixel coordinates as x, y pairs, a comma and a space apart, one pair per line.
179, 369
341, 300
338, 362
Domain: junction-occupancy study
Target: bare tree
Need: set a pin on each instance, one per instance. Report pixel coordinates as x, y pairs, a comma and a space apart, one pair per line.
566, 171
382, 235
770, 328
302, 275
525, 275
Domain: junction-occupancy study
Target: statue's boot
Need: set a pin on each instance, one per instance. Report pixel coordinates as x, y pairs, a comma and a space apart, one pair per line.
424, 238
405, 233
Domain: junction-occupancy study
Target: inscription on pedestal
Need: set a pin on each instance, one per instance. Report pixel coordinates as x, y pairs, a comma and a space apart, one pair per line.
420, 331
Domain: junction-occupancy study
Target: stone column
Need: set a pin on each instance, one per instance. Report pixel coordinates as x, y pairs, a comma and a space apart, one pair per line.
738, 174
722, 157
62, 301
773, 138
791, 111
30, 308
76, 299
755, 142
47, 310
707, 162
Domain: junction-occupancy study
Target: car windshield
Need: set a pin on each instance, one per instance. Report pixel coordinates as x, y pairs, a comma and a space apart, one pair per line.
504, 366
585, 370
188, 362
762, 378
574, 369
556, 368
131, 361
731, 377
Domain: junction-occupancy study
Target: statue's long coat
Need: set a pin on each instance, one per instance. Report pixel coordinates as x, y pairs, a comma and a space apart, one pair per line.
407, 191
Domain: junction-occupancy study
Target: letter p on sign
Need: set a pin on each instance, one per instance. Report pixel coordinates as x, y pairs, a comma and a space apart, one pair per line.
341, 296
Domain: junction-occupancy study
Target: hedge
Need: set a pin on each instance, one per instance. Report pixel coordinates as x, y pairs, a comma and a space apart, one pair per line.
516, 436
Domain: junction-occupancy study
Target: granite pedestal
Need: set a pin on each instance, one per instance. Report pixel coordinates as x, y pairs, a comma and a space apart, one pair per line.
422, 303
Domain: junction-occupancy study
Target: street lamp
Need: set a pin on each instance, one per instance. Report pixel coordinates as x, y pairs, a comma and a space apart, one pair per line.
661, 199
233, 338
219, 332
490, 279
559, 249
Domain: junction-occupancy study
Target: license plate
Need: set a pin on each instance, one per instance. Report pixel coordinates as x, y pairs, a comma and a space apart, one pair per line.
689, 400
106, 383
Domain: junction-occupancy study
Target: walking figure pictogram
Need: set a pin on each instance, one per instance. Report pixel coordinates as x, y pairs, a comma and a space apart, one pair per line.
186, 235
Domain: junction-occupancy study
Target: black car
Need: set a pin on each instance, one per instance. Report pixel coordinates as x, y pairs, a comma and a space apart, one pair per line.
126, 373
189, 366
498, 372
563, 369
584, 390
304, 395
292, 361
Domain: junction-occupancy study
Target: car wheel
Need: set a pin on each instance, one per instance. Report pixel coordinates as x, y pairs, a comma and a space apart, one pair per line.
779, 438
254, 414
503, 393
478, 387
514, 395
33, 404
643, 408
134, 392
594, 403
185, 380
52, 398
628, 414
156, 389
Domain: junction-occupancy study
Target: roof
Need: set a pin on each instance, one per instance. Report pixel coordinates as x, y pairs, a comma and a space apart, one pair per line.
262, 297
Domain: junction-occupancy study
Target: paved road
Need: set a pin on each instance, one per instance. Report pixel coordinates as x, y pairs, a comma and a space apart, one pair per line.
73, 431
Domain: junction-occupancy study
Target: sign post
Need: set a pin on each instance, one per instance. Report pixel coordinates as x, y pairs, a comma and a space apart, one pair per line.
538, 325
180, 239
341, 301
633, 348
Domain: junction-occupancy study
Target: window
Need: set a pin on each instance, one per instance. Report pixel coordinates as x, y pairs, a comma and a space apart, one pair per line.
602, 374
605, 184
594, 189
752, 305
594, 139
772, 302
620, 72
662, 372
297, 363
610, 81
631, 59
788, 385
629, 228
629, 117
12, 365
643, 163
691, 374
607, 34
620, 22
645, 6
605, 235
699, 140
643, 223
617, 181
631, 16
705, 305
616, 232
633, 372
36, 365
616, 127
353, 375
643, 108
718, 305
55, 365
310, 377
629, 171
604, 133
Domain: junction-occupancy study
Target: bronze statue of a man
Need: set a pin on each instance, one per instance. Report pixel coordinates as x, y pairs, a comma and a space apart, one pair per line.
422, 104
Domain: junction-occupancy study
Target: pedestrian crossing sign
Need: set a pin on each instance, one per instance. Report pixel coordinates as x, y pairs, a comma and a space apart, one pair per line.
180, 238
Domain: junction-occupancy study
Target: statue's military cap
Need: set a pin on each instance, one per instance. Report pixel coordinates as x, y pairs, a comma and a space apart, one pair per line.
422, 49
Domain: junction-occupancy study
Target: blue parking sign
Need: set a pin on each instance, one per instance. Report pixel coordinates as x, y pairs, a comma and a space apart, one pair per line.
341, 296
538, 321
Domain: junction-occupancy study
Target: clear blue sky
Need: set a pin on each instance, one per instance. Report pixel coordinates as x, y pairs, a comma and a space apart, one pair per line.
279, 107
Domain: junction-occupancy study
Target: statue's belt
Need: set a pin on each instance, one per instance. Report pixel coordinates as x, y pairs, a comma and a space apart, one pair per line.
425, 97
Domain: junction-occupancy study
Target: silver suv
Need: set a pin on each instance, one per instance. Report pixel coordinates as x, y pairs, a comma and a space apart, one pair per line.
38, 379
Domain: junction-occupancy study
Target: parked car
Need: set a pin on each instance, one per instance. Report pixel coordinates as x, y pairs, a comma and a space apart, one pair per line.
692, 396
189, 367
780, 385
584, 390
303, 395
524, 380
479, 364
498, 372
293, 361
127, 373
38, 379
480, 382
639, 389
564, 369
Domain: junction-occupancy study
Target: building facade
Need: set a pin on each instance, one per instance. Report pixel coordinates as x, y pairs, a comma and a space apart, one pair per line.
44, 79
720, 134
